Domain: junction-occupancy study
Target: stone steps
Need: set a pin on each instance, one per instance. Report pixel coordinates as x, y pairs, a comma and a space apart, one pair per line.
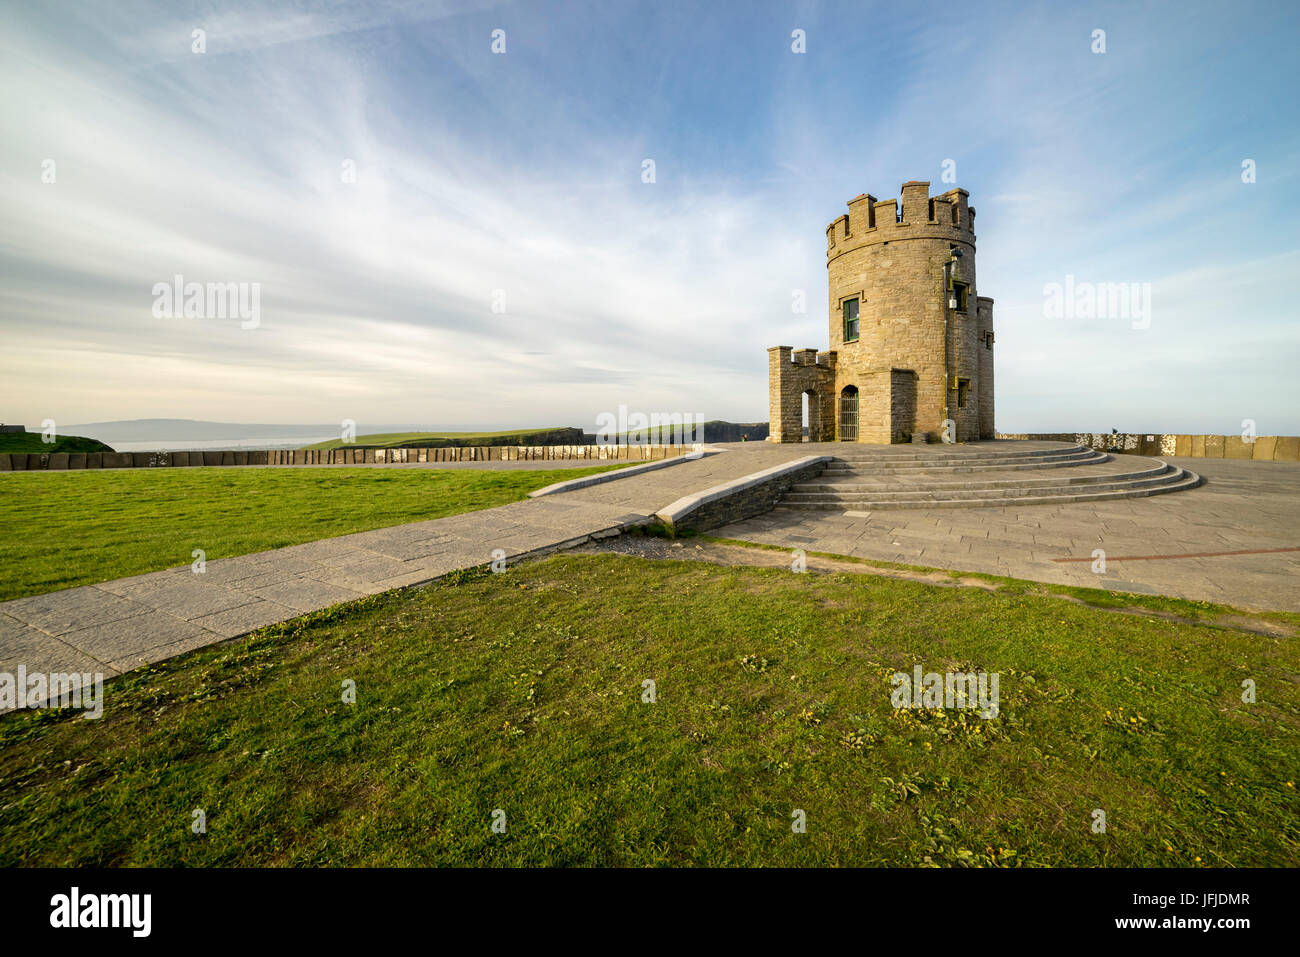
1063, 496
844, 482
866, 479
973, 462
981, 491
883, 454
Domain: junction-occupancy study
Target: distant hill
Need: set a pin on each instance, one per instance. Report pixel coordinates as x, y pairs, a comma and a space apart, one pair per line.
436, 440
195, 430
715, 430
31, 442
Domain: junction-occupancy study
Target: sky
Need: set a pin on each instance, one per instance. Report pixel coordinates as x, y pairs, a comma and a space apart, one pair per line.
447, 235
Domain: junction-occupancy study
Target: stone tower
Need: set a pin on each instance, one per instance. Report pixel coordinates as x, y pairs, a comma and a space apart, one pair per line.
911, 344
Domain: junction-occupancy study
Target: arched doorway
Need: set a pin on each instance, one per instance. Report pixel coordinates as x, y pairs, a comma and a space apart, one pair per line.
848, 430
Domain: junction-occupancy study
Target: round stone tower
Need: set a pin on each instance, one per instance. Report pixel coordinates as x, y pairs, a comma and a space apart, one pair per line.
911, 343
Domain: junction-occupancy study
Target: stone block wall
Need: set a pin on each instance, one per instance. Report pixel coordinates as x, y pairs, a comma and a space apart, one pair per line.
1265, 448
59, 461
984, 347
740, 499
902, 405
792, 373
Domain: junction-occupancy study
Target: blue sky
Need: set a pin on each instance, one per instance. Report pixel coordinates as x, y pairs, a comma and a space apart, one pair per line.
521, 173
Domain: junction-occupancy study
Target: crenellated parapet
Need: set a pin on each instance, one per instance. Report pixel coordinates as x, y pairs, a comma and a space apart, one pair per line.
914, 215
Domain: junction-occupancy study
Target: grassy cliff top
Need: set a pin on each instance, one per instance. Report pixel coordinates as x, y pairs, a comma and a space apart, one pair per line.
31, 442
397, 440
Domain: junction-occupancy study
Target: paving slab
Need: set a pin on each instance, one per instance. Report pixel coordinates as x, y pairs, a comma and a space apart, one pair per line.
190, 597
59, 612
306, 594
129, 637
246, 618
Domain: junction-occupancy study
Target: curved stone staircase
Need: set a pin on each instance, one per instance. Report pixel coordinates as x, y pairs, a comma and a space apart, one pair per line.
984, 474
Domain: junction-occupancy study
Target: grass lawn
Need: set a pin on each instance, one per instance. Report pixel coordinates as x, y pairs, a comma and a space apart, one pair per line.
393, 440
61, 529
524, 692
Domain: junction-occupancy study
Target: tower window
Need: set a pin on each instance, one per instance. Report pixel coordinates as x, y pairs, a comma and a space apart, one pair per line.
988, 340
960, 302
963, 392
851, 320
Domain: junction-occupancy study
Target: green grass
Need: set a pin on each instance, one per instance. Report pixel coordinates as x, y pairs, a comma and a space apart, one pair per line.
1193, 610
523, 692
31, 442
395, 440
60, 529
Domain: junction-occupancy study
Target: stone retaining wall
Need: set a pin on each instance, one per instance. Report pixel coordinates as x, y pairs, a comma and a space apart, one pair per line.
59, 461
1265, 448
741, 498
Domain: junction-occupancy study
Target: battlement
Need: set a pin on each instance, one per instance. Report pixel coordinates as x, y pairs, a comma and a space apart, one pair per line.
915, 215
788, 355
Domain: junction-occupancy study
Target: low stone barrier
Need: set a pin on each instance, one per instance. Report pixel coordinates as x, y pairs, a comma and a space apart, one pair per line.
1265, 448
740, 498
61, 461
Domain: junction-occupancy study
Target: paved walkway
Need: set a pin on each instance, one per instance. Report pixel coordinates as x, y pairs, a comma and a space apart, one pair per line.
1234, 540
119, 625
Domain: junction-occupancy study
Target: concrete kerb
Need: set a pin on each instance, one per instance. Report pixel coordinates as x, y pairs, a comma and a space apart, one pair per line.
770, 483
571, 484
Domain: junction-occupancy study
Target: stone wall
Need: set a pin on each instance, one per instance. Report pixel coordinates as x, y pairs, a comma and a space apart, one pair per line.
984, 347
790, 375
1265, 448
902, 406
56, 461
741, 498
